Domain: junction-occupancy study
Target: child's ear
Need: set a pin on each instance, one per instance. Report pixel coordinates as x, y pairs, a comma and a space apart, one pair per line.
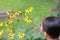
45, 34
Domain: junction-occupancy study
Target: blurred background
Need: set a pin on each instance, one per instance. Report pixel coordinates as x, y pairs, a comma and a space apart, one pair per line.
28, 15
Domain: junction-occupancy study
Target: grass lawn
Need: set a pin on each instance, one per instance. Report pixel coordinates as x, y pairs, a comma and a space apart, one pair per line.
41, 9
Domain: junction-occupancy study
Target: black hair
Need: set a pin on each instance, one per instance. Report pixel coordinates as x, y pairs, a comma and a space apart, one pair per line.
51, 25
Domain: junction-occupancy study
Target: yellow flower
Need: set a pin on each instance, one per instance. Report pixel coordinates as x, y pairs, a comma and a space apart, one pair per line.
11, 36
7, 24
21, 35
1, 24
1, 32
10, 21
12, 16
27, 19
8, 13
10, 30
18, 12
28, 10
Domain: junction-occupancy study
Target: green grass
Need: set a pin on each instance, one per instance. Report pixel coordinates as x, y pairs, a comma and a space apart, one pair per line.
41, 9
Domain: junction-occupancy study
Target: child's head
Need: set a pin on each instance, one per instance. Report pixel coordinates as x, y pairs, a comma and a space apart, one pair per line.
51, 27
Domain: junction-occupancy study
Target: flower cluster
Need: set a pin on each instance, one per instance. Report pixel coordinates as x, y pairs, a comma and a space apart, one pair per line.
27, 11
11, 17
